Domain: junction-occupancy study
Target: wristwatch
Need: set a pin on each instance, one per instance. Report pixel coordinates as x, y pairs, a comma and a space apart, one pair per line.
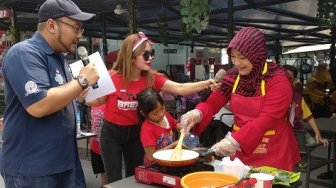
82, 81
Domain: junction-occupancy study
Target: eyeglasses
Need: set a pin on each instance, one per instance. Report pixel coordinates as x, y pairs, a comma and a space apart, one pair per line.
147, 53
75, 28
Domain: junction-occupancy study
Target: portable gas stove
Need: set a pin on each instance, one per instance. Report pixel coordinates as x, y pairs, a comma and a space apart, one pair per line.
167, 176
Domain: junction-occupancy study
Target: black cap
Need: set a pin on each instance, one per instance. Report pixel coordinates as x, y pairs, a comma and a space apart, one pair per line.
58, 8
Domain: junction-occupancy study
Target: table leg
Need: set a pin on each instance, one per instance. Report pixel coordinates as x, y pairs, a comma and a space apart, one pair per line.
334, 162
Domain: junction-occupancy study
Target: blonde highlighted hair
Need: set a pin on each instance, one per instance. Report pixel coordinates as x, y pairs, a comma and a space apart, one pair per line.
126, 59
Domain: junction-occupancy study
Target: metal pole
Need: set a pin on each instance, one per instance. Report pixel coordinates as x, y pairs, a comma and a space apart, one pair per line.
14, 24
132, 17
104, 40
332, 65
230, 26
277, 51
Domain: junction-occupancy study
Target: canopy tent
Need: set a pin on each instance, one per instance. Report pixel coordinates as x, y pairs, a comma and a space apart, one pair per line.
312, 48
284, 22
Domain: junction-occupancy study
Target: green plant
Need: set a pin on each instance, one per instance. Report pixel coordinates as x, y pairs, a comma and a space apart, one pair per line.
132, 11
326, 15
326, 12
11, 35
195, 15
163, 28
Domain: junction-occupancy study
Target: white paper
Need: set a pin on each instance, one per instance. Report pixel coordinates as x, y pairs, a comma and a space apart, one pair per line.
235, 167
105, 84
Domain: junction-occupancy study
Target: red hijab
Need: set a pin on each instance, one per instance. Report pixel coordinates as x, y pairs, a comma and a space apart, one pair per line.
251, 43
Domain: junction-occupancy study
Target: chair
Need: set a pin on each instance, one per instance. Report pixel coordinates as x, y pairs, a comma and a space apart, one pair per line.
313, 162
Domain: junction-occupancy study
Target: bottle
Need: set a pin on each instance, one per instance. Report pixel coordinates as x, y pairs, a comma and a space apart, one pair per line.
191, 141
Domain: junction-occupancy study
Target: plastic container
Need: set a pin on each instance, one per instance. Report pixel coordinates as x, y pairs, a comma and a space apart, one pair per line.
263, 180
207, 179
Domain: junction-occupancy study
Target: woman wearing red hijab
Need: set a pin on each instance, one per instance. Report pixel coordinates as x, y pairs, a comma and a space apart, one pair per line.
259, 94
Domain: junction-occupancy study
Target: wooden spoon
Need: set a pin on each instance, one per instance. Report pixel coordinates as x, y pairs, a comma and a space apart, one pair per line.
177, 152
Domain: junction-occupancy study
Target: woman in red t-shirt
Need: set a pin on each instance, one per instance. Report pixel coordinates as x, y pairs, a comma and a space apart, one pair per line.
131, 73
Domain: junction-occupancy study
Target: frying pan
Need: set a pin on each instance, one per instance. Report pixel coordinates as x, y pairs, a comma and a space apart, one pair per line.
189, 157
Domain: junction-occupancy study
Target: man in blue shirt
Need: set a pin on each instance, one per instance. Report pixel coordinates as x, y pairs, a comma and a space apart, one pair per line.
39, 139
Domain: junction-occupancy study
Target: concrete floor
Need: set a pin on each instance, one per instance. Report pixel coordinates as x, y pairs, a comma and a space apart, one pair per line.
94, 182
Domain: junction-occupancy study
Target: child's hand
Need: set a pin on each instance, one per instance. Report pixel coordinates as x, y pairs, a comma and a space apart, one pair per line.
173, 145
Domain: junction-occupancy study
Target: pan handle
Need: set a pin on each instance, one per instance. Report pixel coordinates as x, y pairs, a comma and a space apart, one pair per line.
207, 153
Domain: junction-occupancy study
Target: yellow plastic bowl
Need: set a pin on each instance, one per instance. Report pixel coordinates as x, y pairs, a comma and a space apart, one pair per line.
207, 179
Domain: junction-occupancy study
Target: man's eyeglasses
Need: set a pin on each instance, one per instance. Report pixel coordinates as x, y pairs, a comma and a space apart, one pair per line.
147, 53
75, 28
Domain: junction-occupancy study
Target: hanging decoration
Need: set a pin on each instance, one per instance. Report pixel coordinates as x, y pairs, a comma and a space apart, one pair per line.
326, 12
132, 23
163, 28
326, 15
195, 16
11, 36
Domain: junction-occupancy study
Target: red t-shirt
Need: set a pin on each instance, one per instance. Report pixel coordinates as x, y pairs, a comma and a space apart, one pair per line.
154, 135
97, 115
121, 106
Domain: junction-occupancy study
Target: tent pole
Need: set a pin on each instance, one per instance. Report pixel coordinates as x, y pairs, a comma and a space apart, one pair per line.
104, 40
230, 26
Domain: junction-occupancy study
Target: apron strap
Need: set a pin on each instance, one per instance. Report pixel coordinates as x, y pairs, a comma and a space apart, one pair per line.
263, 91
262, 86
235, 84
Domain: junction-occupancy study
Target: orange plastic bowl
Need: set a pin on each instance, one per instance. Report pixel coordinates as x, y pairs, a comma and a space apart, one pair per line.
207, 179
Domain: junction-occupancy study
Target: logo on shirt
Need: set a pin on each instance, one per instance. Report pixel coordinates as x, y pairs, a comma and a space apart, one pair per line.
58, 77
126, 101
164, 140
31, 87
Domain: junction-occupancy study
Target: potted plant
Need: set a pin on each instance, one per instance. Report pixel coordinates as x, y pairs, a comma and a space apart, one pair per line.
326, 15
163, 28
11, 35
195, 15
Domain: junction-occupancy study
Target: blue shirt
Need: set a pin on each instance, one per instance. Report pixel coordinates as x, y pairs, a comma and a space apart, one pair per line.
36, 146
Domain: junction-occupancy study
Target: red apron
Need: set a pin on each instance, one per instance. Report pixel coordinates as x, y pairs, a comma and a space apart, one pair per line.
271, 151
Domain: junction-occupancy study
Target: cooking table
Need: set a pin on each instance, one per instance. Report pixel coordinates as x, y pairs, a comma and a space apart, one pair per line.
130, 182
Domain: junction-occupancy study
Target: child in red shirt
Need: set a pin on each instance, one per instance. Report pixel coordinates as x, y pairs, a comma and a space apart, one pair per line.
157, 125
97, 119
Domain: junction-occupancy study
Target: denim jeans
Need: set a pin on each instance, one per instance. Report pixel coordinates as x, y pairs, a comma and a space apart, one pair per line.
119, 142
61, 180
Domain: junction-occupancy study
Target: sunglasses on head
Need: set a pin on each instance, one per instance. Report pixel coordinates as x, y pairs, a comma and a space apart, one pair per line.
147, 53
